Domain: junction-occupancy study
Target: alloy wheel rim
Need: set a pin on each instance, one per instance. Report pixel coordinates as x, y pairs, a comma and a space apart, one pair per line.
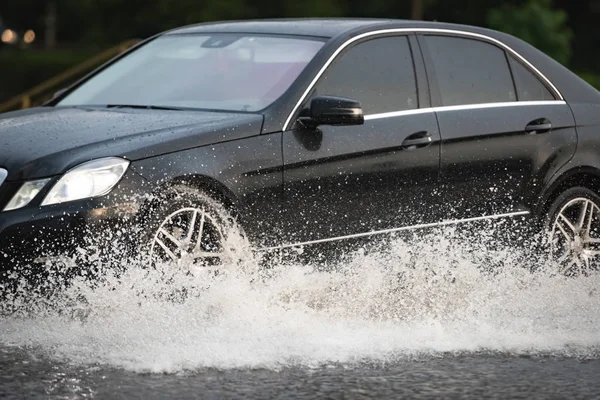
575, 236
189, 237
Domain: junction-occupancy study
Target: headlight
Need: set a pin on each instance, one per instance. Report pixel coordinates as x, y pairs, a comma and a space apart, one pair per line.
90, 179
25, 194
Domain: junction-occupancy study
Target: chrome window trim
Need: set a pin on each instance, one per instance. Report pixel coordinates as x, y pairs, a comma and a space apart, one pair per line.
464, 107
541, 76
400, 229
500, 104
391, 114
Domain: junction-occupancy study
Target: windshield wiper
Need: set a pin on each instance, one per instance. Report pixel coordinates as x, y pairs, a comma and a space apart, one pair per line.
141, 107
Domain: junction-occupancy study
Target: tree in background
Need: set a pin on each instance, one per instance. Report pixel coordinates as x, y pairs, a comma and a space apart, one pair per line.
417, 8
50, 25
537, 23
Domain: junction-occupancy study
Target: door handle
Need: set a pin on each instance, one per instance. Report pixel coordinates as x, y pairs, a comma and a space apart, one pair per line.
541, 125
419, 139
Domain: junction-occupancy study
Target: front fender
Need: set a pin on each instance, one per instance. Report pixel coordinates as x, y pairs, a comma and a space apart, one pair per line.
245, 173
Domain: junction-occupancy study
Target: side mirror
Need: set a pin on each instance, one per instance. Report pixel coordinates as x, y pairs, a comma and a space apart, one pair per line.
330, 110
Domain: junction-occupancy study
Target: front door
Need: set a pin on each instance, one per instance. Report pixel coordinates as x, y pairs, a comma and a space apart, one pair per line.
342, 181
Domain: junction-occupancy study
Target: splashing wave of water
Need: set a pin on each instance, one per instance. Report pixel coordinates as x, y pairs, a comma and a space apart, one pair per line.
416, 298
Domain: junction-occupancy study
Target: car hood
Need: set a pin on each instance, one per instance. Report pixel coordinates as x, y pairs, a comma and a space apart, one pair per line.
46, 141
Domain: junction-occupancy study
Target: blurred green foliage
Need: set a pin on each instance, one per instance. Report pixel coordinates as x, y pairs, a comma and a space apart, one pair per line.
537, 23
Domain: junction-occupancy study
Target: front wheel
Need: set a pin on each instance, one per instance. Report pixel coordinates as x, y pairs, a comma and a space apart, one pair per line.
193, 232
573, 223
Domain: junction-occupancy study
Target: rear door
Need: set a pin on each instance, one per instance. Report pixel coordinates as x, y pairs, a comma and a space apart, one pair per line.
345, 180
503, 127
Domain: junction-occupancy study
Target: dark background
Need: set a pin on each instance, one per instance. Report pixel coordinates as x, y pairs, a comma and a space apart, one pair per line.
68, 32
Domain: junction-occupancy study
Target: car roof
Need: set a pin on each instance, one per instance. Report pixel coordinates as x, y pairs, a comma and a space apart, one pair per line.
323, 27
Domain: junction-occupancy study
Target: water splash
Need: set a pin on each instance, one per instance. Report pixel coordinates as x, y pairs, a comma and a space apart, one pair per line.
435, 293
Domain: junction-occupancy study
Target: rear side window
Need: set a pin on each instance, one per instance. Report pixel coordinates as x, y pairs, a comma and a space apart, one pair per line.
379, 73
470, 71
529, 87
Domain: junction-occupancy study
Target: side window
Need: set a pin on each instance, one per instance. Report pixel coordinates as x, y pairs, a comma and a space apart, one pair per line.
529, 87
470, 71
379, 73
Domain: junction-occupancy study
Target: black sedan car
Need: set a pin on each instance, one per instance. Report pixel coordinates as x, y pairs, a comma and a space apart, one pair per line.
304, 132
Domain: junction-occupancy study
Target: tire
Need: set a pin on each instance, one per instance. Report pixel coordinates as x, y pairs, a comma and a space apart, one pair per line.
189, 229
573, 223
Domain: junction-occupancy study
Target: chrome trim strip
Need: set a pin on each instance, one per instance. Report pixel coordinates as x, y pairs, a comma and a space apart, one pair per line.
498, 105
413, 30
464, 107
399, 113
392, 230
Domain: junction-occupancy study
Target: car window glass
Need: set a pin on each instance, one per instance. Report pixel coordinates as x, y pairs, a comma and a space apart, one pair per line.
470, 71
529, 87
379, 73
237, 72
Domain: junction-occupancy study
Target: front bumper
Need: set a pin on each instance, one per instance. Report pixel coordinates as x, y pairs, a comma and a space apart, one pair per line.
36, 234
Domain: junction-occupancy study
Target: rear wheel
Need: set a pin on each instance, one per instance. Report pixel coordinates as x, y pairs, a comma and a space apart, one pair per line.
574, 226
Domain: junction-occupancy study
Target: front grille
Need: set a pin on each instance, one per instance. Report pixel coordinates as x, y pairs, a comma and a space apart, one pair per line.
3, 175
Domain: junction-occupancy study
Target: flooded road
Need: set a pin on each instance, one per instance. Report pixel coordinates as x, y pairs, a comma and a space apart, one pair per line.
435, 317
471, 376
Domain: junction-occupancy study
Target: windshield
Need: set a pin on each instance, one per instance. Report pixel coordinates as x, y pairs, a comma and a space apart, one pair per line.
234, 72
